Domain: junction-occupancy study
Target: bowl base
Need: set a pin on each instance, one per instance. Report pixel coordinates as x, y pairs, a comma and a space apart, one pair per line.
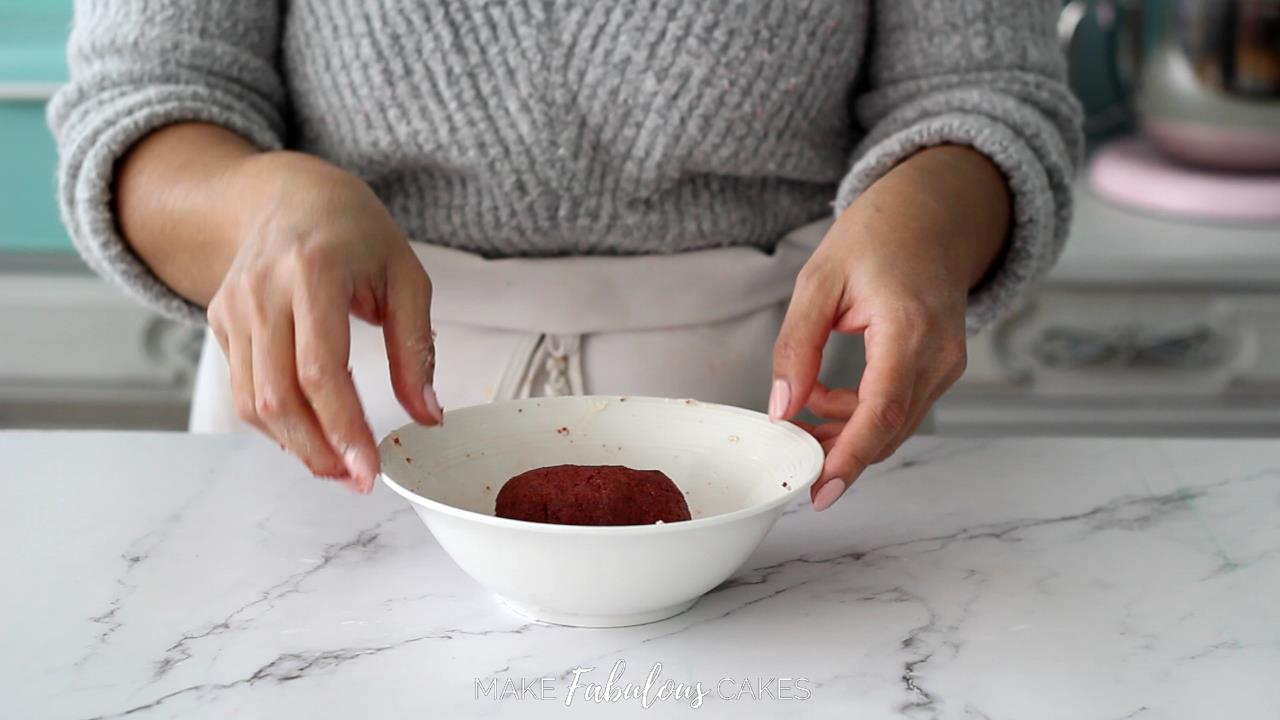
595, 621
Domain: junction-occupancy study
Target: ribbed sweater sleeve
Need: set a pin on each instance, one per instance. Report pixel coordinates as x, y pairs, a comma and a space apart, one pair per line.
138, 65
988, 74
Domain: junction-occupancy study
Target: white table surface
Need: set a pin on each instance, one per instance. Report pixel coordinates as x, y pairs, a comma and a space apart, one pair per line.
156, 575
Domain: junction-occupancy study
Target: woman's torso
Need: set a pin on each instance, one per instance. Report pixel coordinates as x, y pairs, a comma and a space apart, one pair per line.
577, 126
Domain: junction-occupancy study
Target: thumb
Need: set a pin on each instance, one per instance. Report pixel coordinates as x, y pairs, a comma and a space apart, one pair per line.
797, 354
406, 327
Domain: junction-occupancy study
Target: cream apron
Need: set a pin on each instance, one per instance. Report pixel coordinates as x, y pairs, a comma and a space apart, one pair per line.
699, 324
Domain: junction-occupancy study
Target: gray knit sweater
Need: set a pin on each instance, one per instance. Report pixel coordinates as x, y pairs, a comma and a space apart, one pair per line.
553, 127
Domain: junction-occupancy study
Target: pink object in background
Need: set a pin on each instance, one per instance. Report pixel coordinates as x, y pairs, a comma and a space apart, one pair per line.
1131, 172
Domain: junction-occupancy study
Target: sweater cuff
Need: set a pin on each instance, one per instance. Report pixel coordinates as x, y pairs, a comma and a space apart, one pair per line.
1039, 217
87, 178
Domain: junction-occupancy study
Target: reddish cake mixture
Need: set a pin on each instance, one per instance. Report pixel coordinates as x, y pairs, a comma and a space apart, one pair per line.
592, 495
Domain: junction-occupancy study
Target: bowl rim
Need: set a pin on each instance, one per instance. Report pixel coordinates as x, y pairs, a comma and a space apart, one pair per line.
811, 443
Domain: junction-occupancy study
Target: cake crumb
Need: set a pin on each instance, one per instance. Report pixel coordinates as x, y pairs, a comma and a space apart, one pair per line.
562, 430
786, 484
396, 439
408, 459
734, 439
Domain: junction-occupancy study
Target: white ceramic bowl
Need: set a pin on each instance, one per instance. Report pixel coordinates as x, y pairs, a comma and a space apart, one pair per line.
737, 470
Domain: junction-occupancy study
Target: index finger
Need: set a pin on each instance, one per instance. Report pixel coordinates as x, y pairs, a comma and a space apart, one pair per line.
323, 337
410, 341
797, 353
884, 401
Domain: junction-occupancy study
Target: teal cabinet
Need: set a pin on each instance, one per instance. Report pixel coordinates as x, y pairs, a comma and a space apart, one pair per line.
32, 63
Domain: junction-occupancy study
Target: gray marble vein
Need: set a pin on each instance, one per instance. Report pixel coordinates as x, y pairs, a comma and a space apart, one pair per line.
363, 543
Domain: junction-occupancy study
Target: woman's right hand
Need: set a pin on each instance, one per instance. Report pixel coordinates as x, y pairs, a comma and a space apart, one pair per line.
314, 245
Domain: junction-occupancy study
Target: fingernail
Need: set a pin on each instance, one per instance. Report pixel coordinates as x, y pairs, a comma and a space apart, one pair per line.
360, 469
828, 494
433, 403
779, 399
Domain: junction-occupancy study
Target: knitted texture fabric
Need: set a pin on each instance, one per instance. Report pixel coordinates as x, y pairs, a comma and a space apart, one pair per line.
571, 127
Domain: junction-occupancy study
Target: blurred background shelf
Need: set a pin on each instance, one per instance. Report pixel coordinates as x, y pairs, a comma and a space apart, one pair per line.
79, 353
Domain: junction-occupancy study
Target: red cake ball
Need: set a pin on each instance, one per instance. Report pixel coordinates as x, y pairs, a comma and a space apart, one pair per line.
592, 495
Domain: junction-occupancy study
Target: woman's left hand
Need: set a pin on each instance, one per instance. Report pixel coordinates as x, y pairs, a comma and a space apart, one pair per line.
897, 266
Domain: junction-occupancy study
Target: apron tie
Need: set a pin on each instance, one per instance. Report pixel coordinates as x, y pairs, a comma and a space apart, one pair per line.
548, 365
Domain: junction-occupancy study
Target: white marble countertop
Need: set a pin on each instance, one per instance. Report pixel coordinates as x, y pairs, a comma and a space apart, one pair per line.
153, 575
